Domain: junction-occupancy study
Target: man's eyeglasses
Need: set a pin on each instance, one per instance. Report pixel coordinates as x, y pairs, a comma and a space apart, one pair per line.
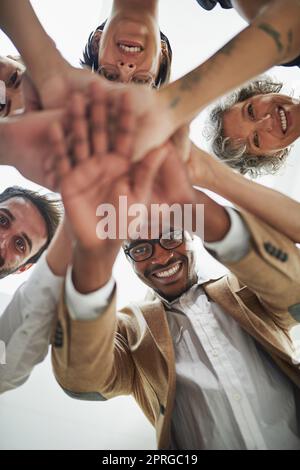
112, 74
143, 250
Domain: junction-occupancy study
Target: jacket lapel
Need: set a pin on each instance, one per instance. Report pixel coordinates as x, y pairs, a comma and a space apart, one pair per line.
155, 316
237, 301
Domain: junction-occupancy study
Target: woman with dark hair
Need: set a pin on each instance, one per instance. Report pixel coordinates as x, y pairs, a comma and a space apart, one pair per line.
129, 47
253, 128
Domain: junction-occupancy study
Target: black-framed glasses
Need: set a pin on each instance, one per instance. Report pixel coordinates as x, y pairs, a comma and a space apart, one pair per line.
143, 250
112, 74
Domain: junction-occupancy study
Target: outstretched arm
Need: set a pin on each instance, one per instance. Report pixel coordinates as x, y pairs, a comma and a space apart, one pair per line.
53, 78
272, 207
19, 21
272, 38
92, 174
25, 144
250, 10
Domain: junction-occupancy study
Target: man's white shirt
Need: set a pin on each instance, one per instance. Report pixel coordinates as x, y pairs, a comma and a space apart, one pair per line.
229, 393
26, 325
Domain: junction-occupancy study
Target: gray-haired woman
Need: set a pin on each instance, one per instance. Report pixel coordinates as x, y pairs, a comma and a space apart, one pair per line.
253, 128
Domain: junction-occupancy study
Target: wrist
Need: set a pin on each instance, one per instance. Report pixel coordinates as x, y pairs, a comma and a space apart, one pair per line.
6, 155
214, 174
216, 218
167, 107
92, 268
222, 177
54, 66
59, 253
202, 168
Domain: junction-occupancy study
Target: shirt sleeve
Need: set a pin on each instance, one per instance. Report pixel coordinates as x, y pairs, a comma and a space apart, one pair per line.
87, 306
26, 325
236, 244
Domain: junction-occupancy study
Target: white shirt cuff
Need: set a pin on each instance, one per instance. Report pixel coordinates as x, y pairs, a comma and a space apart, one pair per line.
236, 243
87, 306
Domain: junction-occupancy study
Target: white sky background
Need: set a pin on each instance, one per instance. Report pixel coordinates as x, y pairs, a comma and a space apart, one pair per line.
39, 415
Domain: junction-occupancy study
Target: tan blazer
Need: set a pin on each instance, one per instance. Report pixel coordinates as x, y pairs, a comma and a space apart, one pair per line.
131, 351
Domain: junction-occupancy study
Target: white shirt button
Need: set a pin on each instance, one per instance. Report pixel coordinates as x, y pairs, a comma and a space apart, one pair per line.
237, 396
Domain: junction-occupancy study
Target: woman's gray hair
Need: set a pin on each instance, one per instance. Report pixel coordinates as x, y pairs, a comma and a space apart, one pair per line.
235, 154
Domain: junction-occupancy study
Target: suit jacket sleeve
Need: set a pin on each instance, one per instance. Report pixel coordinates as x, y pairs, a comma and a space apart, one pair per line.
91, 358
272, 266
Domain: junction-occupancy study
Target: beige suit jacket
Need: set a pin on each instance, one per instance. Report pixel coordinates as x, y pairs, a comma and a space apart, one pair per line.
131, 351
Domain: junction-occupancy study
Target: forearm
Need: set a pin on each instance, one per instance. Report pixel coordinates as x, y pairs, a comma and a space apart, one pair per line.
92, 269
59, 253
272, 207
272, 38
19, 21
216, 219
4, 154
250, 10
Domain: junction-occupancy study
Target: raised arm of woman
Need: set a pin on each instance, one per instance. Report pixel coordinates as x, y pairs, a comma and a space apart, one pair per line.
272, 207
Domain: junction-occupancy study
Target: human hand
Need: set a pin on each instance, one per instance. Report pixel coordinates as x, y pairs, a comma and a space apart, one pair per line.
25, 144
54, 90
93, 174
154, 118
202, 168
173, 184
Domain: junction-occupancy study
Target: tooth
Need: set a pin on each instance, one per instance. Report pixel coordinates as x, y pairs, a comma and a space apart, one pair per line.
283, 120
126, 48
169, 272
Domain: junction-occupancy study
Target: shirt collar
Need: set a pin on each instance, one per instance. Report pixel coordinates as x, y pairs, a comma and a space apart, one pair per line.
169, 304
